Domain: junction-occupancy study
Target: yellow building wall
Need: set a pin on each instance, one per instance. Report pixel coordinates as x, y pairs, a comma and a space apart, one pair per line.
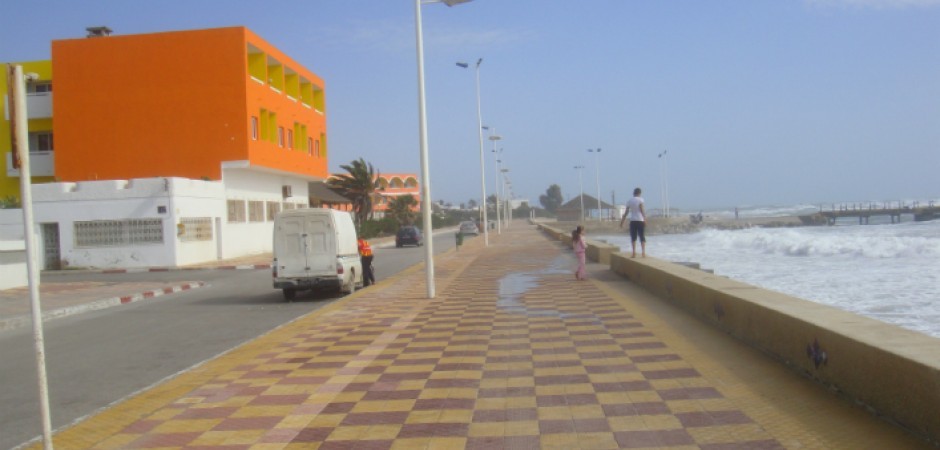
10, 186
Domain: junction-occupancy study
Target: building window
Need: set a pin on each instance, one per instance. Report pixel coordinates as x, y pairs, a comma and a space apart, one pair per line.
316, 148
254, 128
38, 87
196, 229
255, 211
40, 141
236, 211
310, 145
290, 139
113, 233
280, 137
273, 209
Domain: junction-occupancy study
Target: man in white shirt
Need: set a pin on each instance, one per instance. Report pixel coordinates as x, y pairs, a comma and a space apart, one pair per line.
637, 214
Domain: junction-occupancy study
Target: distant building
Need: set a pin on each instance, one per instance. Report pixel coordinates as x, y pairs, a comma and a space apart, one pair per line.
571, 210
396, 185
230, 127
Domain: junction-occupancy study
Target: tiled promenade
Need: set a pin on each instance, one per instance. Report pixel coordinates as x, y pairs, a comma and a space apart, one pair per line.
513, 353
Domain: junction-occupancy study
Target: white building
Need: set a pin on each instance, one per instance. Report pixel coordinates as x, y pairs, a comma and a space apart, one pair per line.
159, 222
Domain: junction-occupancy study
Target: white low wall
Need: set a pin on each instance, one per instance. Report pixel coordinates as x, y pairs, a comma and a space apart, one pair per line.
58, 206
13, 264
11, 225
167, 199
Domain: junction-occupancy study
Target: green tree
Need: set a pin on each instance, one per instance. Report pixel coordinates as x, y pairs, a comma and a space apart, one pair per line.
358, 185
552, 198
401, 208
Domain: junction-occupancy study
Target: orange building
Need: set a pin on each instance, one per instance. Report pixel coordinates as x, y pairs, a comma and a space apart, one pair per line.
396, 185
185, 104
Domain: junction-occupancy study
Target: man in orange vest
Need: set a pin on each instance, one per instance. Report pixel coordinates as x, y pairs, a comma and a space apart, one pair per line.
365, 255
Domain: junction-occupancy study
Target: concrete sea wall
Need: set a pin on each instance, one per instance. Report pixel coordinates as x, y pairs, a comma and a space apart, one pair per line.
890, 370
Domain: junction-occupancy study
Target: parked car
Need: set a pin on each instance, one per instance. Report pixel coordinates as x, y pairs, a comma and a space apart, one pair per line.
409, 235
469, 227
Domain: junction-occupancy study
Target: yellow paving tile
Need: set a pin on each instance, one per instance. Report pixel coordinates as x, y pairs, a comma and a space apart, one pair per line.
411, 443
522, 428
430, 416
597, 440
559, 441
487, 429
189, 425
446, 443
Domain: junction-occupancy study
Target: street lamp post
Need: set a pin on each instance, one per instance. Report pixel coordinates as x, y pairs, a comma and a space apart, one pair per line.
486, 234
507, 197
423, 144
499, 190
664, 184
495, 137
581, 185
18, 115
597, 178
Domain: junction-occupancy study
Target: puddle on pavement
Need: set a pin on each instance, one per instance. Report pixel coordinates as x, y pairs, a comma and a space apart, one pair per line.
514, 285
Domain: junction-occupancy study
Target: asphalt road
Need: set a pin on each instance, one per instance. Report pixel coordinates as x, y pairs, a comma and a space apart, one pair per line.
97, 358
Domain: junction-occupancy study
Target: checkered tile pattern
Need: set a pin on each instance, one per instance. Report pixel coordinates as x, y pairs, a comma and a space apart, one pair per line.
514, 353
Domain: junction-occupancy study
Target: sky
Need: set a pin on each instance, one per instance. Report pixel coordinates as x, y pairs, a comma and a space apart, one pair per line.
754, 102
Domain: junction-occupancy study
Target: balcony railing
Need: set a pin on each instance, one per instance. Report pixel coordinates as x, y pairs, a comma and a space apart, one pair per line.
41, 164
38, 106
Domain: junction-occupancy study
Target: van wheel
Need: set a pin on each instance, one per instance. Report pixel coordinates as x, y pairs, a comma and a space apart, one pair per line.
289, 294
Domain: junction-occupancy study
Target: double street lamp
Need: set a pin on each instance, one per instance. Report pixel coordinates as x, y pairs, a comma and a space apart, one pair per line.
581, 185
486, 235
597, 177
423, 141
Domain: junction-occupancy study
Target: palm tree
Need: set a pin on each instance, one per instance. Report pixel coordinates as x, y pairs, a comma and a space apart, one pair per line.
401, 208
358, 185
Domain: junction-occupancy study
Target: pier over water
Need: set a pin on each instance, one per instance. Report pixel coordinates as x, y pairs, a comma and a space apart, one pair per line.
865, 211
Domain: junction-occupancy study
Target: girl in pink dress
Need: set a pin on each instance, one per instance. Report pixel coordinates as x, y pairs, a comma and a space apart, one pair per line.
577, 242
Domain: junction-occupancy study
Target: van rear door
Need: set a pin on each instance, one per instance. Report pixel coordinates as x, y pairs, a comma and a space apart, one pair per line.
289, 246
320, 247
304, 246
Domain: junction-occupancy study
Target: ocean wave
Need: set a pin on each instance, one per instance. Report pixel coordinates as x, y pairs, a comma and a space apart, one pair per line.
887, 272
825, 242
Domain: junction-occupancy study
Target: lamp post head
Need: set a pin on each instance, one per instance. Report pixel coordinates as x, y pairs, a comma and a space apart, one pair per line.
463, 64
495, 137
455, 2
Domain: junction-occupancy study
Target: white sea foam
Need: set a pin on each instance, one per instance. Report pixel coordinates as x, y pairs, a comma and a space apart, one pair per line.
889, 272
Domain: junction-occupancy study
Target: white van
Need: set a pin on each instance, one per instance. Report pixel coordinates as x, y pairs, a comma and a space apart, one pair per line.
315, 248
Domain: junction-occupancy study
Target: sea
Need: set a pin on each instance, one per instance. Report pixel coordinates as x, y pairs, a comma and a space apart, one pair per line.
883, 270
